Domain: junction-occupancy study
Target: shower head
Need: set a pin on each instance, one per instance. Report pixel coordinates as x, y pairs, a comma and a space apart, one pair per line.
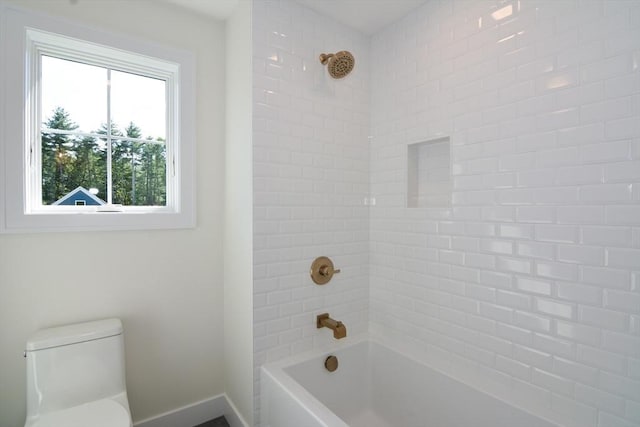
339, 64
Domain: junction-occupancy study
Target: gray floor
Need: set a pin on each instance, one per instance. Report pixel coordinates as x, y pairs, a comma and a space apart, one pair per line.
218, 422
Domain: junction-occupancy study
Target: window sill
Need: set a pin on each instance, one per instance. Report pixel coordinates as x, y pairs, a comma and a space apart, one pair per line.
97, 221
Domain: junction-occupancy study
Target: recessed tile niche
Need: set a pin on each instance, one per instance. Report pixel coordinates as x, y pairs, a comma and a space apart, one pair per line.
429, 174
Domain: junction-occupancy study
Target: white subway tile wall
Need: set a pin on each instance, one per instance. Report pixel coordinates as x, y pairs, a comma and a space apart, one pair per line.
311, 180
528, 287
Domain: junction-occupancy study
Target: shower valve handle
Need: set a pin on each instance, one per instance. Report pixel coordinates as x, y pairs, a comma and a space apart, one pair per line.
322, 270
327, 271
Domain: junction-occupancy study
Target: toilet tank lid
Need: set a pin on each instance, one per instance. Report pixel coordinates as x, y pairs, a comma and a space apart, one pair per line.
73, 334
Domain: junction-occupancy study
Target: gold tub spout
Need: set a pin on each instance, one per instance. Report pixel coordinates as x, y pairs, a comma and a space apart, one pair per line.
324, 321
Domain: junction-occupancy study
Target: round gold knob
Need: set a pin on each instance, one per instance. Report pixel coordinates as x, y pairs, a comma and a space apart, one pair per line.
331, 363
322, 270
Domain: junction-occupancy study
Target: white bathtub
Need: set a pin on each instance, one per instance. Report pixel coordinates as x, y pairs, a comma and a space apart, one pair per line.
376, 387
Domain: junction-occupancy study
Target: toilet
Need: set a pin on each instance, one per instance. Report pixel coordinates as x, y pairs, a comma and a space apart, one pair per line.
76, 377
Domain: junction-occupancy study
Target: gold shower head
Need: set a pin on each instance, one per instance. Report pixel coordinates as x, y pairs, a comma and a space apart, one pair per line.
339, 64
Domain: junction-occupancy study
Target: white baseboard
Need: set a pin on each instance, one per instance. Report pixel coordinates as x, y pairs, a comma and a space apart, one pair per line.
197, 413
233, 415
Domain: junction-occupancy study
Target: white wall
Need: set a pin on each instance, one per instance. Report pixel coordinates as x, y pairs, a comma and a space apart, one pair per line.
310, 164
165, 285
529, 286
238, 272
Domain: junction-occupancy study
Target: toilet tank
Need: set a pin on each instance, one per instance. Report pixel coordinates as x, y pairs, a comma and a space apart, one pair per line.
74, 364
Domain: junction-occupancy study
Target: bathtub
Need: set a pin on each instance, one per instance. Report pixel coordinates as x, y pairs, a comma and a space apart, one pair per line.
375, 386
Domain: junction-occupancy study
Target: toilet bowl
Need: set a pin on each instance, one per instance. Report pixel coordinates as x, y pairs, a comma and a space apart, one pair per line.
76, 376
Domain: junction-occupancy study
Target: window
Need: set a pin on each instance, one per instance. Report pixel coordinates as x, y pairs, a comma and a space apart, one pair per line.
81, 140
97, 129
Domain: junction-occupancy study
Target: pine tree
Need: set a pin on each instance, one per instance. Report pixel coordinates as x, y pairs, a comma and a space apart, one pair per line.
133, 131
120, 168
58, 157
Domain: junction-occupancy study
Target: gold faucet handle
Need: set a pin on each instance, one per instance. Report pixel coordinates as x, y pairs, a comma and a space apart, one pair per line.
322, 270
328, 270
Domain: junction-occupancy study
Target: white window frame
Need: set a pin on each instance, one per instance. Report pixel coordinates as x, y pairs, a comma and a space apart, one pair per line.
24, 37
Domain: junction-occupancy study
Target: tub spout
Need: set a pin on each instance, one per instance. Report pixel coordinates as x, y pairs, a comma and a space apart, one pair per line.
338, 328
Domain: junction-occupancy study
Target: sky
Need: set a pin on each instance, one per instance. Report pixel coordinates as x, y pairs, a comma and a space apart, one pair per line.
82, 91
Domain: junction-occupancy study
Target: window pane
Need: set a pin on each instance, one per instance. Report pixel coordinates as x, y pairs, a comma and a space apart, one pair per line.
139, 102
76, 89
139, 173
69, 162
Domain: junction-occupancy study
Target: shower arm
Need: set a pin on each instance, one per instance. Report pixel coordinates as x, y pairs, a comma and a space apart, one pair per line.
324, 58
